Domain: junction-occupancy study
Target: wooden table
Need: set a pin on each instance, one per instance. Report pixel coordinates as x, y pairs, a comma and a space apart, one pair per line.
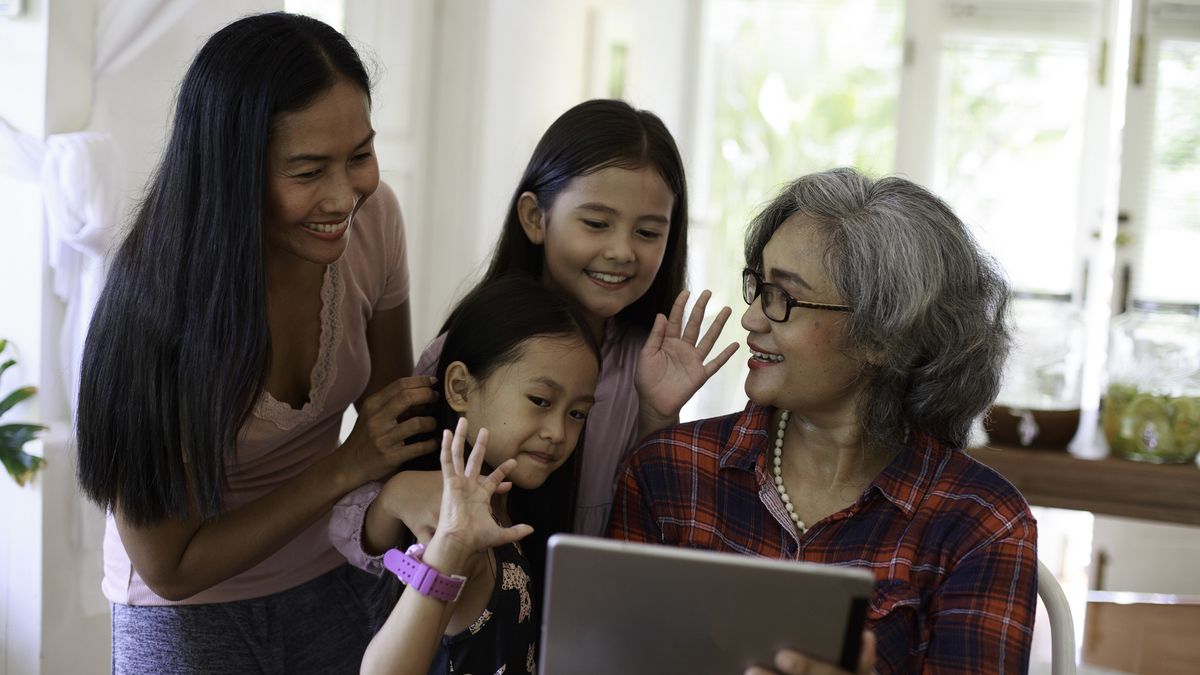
1110, 486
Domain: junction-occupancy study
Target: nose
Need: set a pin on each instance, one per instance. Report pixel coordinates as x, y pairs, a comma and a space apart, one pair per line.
619, 248
553, 428
753, 318
340, 194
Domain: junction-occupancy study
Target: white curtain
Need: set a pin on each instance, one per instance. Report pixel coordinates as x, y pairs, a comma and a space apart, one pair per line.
126, 28
80, 177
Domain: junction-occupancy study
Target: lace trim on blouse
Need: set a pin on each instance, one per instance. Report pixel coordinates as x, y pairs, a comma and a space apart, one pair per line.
324, 371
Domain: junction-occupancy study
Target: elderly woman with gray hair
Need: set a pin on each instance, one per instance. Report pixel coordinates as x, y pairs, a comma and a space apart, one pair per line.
877, 334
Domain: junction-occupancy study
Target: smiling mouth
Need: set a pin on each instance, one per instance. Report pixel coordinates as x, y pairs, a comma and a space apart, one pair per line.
541, 457
765, 357
608, 278
326, 228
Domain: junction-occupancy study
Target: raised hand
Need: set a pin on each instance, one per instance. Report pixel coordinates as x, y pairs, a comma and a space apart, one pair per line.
388, 418
466, 521
671, 365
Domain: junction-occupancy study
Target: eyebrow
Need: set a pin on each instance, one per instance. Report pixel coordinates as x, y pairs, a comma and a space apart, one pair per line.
784, 275
606, 209
558, 388
296, 159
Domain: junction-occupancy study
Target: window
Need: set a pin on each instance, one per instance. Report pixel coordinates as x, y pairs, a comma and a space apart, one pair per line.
786, 95
1159, 201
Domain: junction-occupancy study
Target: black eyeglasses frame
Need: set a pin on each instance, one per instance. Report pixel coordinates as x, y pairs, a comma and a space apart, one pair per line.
752, 293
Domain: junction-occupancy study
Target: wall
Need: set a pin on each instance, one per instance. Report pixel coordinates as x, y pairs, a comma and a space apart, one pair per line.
501, 73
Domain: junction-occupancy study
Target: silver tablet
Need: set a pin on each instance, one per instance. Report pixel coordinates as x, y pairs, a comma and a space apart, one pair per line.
616, 607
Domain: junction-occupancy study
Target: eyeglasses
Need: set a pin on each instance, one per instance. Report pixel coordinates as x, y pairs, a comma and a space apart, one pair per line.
776, 303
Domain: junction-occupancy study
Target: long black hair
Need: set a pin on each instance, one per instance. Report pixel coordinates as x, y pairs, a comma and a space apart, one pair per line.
178, 349
488, 330
592, 136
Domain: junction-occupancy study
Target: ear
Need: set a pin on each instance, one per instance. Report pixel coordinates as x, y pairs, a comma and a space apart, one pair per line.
533, 219
458, 386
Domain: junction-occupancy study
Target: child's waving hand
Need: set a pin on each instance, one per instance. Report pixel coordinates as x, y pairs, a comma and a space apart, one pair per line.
671, 365
466, 522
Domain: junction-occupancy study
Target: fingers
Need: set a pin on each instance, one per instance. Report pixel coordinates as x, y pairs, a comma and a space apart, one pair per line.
410, 427
508, 535
695, 321
447, 452
403, 400
692, 330
866, 661
658, 333
720, 360
790, 662
456, 446
475, 461
399, 388
495, 479
706, 343
675, 320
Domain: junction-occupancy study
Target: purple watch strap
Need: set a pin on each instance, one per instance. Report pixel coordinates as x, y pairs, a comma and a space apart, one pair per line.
408, 566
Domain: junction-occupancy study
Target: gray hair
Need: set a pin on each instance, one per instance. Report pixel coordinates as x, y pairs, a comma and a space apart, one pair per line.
929, 306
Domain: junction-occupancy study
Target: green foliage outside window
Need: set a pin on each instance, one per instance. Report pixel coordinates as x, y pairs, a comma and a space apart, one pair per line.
792, 97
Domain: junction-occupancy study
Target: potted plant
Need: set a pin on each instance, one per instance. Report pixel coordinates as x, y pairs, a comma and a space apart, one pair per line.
21, 465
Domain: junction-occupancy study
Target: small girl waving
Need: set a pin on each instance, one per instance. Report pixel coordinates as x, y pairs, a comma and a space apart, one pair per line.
411, 638
518, 360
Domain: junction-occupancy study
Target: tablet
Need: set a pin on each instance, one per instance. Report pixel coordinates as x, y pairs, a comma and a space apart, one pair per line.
619, 607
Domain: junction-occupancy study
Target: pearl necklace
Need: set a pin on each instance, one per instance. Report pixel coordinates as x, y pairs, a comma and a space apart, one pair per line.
787, 501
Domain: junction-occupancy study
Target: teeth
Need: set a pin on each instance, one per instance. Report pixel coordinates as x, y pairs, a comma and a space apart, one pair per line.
325, 227
607, 278
771, 358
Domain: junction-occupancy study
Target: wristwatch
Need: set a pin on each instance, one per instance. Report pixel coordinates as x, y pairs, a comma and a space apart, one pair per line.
421, 577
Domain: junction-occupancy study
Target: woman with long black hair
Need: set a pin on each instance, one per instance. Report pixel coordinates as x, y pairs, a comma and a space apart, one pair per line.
261, 291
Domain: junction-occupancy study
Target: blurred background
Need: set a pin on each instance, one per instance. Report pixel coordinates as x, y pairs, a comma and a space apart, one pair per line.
1066, 133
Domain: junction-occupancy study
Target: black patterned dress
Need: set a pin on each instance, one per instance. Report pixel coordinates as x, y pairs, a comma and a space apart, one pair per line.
503, 640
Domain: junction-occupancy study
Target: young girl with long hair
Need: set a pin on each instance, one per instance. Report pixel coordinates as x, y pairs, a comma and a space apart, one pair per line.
518, 371
600, 214
261, 291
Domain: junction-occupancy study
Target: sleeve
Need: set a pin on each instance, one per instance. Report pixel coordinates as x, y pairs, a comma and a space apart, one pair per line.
981, 617
427, 364
346, 525
391, 224
632, 517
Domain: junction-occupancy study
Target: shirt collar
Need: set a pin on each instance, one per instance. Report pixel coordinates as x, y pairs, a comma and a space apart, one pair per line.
908, 477
747, 440
903, 482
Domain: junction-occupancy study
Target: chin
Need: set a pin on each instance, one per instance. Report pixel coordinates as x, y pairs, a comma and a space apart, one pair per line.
758, 394
527, 481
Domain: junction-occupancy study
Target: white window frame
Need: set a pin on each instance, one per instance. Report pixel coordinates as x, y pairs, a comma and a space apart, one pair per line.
1153, 22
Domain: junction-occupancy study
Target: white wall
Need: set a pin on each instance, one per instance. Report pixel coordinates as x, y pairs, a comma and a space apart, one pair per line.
501, 73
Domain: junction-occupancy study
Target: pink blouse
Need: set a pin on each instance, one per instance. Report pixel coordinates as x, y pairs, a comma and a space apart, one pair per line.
278, 442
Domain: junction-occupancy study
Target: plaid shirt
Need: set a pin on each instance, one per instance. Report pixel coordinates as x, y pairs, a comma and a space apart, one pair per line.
952, 545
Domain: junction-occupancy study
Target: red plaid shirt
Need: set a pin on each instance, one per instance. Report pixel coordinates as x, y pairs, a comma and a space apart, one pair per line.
952, 544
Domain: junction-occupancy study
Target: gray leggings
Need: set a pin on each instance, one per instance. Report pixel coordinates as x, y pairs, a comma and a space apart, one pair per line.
321, 626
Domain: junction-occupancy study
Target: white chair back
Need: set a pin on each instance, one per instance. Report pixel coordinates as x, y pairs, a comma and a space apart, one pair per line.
1062, 626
